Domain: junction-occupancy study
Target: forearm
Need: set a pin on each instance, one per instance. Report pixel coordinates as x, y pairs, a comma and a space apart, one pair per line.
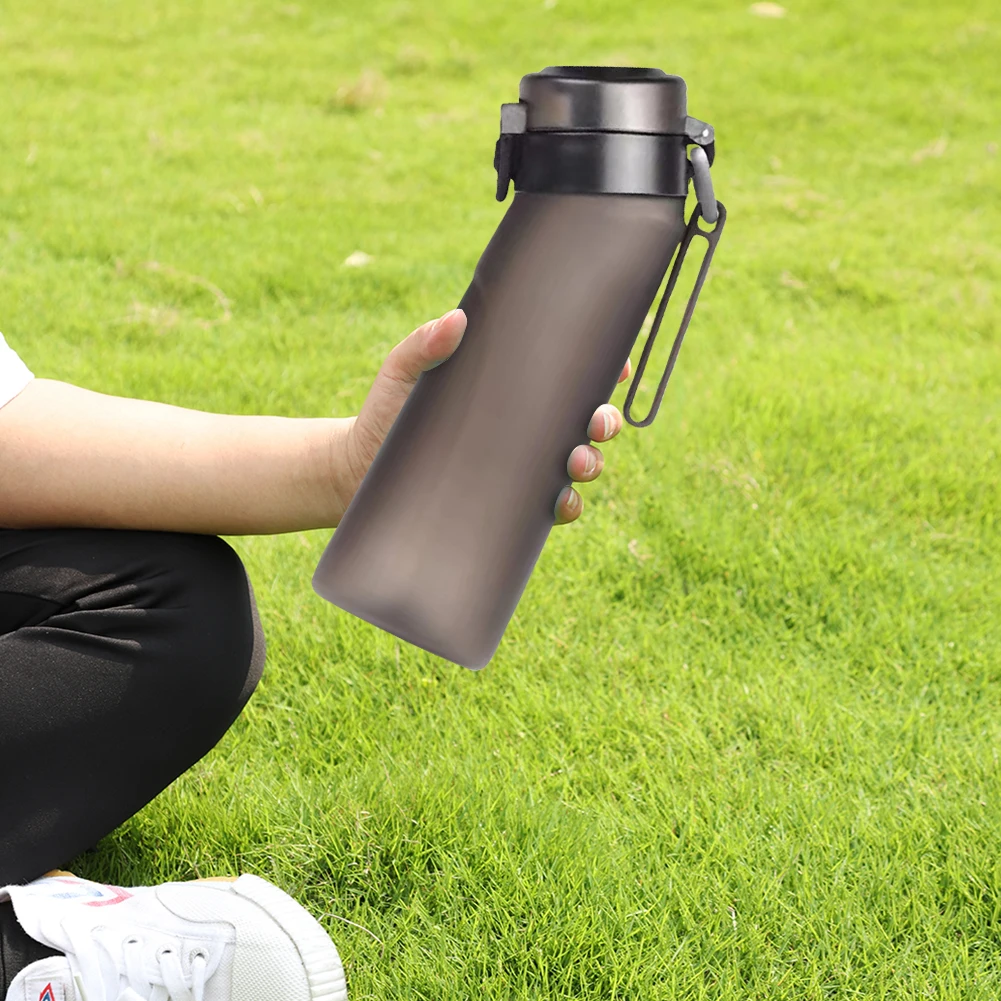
73, 458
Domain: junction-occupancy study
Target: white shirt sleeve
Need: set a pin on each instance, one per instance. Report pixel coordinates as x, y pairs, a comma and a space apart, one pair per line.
14, 374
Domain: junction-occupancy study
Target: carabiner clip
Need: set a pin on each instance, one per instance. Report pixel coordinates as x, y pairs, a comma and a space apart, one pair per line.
712, 238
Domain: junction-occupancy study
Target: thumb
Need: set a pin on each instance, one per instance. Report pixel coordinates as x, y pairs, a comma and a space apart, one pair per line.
427, 347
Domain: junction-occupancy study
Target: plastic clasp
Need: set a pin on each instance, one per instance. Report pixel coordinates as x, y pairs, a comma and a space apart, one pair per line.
712, 238
514, 121
702, 134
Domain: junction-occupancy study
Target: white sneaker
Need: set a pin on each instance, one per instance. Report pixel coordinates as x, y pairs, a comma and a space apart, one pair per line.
210, 940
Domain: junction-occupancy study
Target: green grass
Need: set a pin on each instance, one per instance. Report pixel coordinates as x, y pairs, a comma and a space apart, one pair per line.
751, 754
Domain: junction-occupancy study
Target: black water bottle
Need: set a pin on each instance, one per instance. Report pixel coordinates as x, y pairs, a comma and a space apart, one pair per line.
439, 541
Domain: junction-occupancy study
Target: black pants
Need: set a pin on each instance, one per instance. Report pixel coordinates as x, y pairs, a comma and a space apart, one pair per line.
124, 657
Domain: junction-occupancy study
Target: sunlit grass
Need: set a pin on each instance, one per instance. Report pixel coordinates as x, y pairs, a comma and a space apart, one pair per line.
741, 738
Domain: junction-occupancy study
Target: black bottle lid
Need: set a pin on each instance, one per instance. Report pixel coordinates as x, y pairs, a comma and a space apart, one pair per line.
599, 130
605, 99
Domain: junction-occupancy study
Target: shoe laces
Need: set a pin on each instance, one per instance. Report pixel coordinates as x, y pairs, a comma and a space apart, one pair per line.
113, 970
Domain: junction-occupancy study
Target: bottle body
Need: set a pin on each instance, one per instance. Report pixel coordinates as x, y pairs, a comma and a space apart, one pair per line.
444, 531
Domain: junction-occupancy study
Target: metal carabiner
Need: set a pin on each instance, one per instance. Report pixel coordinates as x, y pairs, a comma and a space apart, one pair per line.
712, 238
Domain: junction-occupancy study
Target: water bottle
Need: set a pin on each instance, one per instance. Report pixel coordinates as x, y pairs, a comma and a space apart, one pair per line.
441, 537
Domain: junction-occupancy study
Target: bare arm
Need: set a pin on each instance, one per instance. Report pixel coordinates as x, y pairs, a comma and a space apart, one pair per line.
73, 458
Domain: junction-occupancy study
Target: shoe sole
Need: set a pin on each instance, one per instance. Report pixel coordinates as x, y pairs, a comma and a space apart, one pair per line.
319, 955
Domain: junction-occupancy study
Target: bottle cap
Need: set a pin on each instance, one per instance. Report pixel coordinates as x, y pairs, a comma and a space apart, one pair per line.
600, 130
605, 99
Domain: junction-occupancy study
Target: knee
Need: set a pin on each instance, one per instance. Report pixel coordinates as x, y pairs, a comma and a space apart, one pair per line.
215, 647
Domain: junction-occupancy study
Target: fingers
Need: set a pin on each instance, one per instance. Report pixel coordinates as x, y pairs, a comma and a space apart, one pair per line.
568, 506
606, 423
625, 371
427, 347
585, 463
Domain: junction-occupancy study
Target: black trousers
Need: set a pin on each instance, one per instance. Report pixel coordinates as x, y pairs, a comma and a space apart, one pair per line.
124, 657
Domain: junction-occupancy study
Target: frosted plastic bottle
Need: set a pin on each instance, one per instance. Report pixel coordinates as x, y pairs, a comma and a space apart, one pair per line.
442, 535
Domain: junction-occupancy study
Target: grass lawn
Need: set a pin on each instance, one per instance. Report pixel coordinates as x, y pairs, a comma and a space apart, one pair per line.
741, 739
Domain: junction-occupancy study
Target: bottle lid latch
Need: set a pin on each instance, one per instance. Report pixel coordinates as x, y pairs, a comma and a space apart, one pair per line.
514, 121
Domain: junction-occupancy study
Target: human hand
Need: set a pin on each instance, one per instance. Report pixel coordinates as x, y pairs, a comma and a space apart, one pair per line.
428, 346
586, 462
